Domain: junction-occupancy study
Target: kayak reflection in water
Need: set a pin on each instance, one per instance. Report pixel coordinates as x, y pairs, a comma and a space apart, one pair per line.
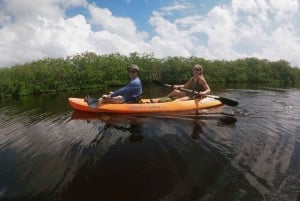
197, 130
110, 126
199, 123
134, 129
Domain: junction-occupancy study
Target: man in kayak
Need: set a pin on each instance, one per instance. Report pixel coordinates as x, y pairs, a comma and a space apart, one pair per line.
128, 94
196, 83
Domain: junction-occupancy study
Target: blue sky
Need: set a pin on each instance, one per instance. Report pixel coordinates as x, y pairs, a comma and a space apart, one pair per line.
210, 29
141, 10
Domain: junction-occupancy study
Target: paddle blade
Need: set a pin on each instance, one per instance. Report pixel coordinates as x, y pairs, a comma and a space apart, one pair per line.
227, 101
92, 102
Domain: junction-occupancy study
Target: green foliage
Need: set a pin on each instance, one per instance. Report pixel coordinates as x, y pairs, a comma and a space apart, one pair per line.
91, 71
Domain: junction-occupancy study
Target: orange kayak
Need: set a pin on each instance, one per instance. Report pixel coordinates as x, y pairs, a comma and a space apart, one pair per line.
146, 106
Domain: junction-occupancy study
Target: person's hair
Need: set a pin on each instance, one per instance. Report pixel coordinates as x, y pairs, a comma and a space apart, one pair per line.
200, 68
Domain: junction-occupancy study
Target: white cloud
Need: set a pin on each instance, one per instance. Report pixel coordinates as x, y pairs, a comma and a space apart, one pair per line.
31, 30
221, 31
44, 37
281, 44
115, 34
175, 7
169, 39
284, 10
287, 6
268, 29
180, 37
261, 28
27, 10
242, 29
124, 27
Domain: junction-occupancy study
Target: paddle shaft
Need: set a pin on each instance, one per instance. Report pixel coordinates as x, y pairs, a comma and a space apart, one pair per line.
185, 90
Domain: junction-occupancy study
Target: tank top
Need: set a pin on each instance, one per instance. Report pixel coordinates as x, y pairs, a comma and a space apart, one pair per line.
196, 86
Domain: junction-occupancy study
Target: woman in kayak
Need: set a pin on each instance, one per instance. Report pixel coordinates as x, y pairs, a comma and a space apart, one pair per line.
196, 83
128, 94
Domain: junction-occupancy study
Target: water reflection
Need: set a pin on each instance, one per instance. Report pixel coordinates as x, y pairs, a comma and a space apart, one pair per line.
135, 121
134, 124
223, 120
250, 152
197, 130
165, 163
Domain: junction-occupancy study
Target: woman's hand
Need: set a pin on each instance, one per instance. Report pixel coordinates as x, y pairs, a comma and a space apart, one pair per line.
177, 86
201, 93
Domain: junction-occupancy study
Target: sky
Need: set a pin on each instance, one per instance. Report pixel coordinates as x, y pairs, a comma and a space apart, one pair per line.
224, 30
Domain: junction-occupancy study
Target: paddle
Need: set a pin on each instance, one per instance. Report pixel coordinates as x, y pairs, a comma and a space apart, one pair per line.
225, 101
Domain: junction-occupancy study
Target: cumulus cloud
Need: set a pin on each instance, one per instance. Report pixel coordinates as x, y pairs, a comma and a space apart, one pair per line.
32, 30
183, 35
123, 27
256, 28
47, 32
266, 29
44, 37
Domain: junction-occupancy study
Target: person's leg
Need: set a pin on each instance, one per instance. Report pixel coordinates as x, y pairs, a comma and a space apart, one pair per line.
183, 98
115, 100
176, 93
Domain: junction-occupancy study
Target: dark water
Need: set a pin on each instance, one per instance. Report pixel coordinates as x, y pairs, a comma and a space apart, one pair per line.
249, 152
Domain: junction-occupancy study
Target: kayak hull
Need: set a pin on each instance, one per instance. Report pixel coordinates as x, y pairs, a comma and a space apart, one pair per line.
146, 106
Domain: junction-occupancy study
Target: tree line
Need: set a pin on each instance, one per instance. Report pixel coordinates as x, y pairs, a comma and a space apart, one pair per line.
91, 71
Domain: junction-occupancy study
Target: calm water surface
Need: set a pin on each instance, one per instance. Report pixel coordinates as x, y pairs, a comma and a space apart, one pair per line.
249, 152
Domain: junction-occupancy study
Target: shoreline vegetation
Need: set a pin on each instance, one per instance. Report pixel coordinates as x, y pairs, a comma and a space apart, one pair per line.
91, 71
